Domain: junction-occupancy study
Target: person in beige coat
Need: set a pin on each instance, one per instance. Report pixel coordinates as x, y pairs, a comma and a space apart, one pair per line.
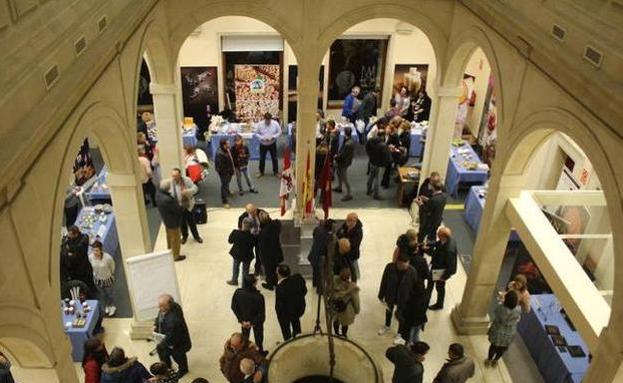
344, 301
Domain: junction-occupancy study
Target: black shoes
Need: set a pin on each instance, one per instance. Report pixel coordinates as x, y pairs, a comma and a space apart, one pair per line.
377, 197
435, 307
347, 198
337, 190
184, 241
180, 258
267, 286
199, 240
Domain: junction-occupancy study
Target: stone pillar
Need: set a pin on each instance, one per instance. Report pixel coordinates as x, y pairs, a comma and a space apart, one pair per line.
471, 315
440, 131
607, 363
169, 121
132, 229
307, 90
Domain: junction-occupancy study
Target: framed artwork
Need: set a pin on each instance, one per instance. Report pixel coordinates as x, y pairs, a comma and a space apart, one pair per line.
257, 90
199, 93
143, 96
292, 94
355, 62
411, 76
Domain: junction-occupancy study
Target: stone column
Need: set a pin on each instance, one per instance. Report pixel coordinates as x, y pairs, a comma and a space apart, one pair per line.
307, 90
440, 131
607, 363
132, 229
471, 315
168, 120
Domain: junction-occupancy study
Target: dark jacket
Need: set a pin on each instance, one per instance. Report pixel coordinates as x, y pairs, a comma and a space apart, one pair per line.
75, 263
367, 108
413, 313
248, 306
378, 152
432, 212
245, 215
269, 243
456, 371
230, 360
5, 373
132, 371
240, 156
394, 290
406, 368
354, 236
344, 157
444, 257
319, 248
290, 297
243, 243
173, 325
170, 210
223, 163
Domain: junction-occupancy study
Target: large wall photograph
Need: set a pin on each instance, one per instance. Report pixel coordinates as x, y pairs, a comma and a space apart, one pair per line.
257, 91
199, 92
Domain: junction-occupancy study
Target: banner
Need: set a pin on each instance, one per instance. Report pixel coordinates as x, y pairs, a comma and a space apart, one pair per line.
325, 185
308, 193
257, 91
287, 181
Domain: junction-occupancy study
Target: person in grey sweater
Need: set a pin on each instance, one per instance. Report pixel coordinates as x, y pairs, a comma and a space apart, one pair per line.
407, 362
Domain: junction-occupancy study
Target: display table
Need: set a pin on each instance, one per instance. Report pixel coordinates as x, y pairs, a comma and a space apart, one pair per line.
78, 335
99, 226
189, 138
457, 171
416, 142
405, 173
251, 140
99, 191
475, 205
555, 366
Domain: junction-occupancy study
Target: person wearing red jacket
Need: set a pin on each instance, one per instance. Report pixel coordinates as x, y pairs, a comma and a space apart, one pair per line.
95, 355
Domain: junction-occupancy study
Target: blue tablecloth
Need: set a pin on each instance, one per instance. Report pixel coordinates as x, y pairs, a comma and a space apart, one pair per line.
555, 366
78, 336
252, 143
99, 191
108, 232
474, 206
457, 173
416, 143
189, 138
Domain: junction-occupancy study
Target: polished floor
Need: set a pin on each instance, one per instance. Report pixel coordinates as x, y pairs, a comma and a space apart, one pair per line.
206, 301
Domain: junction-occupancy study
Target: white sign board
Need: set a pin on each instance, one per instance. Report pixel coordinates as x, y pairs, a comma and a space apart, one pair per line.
150, 276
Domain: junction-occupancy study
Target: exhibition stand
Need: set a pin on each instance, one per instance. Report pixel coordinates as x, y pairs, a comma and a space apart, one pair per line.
99, 191
552, 342
464, 166
475, 205
99, 225
79, 331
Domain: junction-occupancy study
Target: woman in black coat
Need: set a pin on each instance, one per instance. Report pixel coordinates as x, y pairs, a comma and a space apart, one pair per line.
242, 250
269, 246
248, 305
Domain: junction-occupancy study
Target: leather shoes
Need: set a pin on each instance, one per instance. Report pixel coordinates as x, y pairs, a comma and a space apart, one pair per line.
435, 307
180, 258
199, 239
267, 286
184, 241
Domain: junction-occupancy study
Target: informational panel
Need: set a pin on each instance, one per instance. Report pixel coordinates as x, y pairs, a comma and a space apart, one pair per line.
150, 276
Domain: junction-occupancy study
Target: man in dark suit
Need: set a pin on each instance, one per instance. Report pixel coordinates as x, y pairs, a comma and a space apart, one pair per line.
289, 301
75, 263
170, 322
432, 214
248, 305
269, 246
343, 160
319, 249
252, 213
380, 157
444, 258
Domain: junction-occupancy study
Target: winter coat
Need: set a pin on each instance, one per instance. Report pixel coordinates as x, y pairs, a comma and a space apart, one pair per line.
319, 247
240, 155
290, 297
456, 371
92, 371
355, 236
75, 263
269, 243
169, 209
344, 157
348, 293
173, 325
242, 245
248, 306
394, 290
504, 325
230, 360
132, 371
432, 212
406, 368
223, 163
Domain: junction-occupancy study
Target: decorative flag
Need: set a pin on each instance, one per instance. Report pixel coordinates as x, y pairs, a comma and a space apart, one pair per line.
325, 185
287, 181
308, 193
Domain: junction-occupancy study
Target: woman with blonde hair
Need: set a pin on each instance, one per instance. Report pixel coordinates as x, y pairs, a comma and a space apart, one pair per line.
519, 285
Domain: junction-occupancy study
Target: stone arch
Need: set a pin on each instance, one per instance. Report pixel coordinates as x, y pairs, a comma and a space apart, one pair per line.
410, 15
201, 13
27, 344
154, 48
522, 142
461, 49
105, 124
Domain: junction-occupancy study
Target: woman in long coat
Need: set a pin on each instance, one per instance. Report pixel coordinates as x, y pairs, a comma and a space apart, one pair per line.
346, 297
503, 327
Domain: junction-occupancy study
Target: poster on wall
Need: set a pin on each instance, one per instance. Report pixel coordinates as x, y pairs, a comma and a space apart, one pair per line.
144, 97
257, 91
355, 62
83, 168
410, 76
199, 92
292, 94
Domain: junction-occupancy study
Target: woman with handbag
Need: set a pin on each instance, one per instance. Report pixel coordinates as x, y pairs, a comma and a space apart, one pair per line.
344, 302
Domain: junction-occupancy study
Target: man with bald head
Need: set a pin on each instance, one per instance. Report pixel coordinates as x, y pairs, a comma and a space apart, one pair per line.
443, 264
352, 229
171, 323
253, 213
237, 349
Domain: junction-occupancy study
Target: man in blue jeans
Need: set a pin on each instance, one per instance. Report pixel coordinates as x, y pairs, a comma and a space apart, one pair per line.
224, 164
267, 132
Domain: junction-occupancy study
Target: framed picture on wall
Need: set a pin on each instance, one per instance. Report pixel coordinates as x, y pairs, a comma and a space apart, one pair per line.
144, 97
292, 94
411, 76
355, 62
199, 92
257, 91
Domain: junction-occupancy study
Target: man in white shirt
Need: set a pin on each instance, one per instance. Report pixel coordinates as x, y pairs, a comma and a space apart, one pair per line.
267, 132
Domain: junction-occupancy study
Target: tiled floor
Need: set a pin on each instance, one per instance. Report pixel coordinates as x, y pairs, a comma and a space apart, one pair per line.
206, 302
